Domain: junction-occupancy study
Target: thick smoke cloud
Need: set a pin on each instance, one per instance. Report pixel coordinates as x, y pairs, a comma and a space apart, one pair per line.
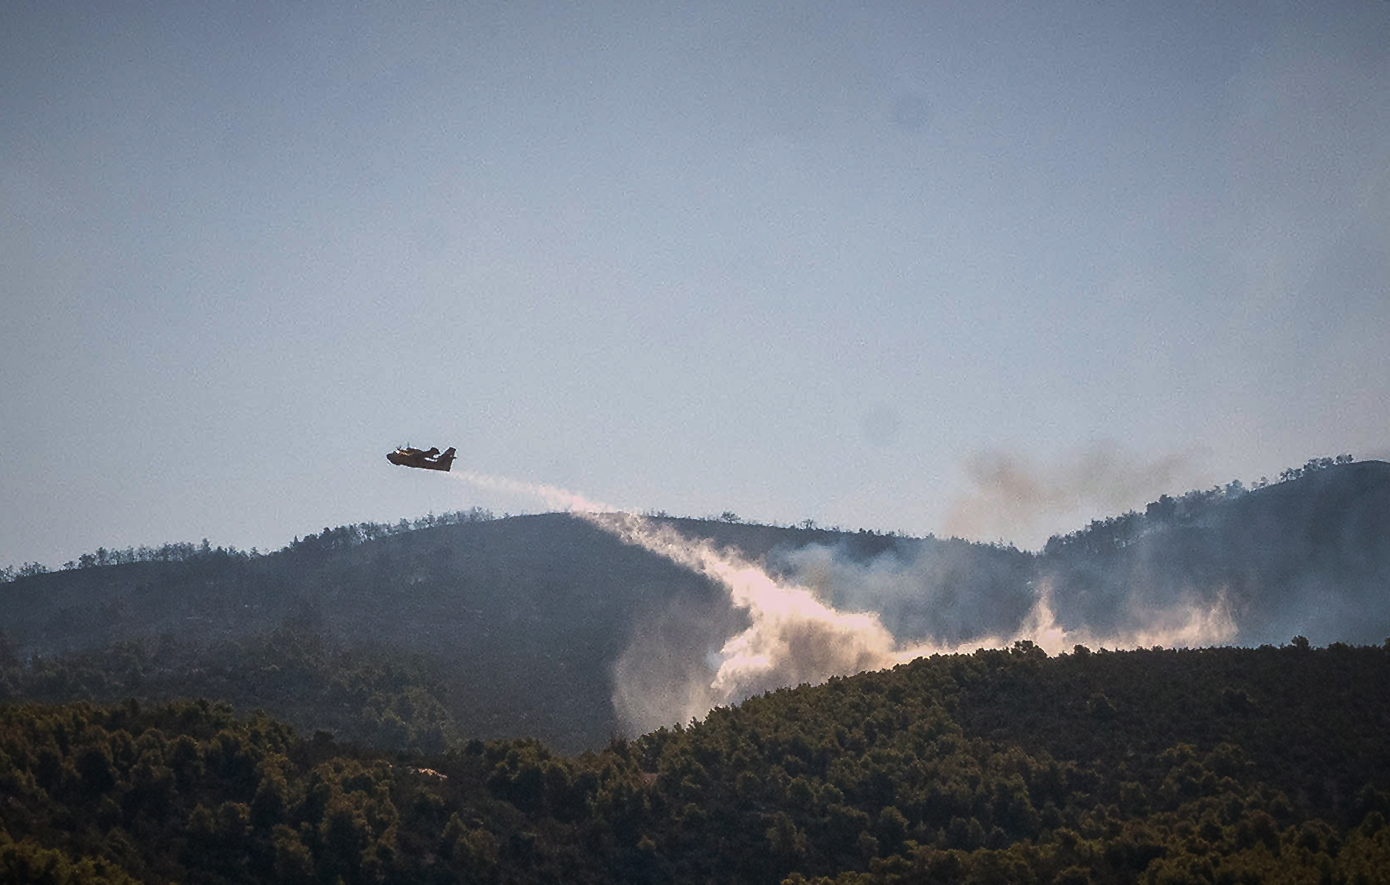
944, 592
791, 637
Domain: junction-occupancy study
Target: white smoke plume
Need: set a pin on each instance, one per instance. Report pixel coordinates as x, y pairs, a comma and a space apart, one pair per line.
791, 635
551, 495
1185, 625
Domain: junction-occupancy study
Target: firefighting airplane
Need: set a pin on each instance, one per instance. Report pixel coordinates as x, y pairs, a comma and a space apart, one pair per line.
430, 459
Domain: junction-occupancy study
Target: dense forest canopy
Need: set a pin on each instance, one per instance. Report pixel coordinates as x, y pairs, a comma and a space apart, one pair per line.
1222, 765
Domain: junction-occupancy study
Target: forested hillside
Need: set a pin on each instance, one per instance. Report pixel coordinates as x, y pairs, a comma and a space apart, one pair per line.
512, 625
1224, 765
419, 635
1307, 555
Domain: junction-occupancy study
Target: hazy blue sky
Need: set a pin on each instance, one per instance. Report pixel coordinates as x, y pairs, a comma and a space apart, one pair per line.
980, 268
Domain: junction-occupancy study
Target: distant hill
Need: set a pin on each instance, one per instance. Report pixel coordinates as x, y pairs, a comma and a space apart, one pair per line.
508, 627
1307, 556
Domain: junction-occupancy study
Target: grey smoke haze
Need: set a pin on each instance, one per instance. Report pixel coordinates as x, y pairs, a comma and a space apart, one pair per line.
950, 596
821, 611
665, 673
813, 612
1307, 557
945, 593
1016, 499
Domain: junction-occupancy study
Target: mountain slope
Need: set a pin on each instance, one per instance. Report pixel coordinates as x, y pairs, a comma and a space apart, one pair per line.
513, 626
1309, 556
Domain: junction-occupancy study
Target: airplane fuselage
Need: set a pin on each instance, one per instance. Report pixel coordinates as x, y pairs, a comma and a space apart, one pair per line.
431, 460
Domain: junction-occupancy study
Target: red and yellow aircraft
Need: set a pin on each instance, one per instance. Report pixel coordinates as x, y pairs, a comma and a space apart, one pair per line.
430, 459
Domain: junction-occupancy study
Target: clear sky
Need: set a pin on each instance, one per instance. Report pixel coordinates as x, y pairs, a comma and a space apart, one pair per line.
986, 269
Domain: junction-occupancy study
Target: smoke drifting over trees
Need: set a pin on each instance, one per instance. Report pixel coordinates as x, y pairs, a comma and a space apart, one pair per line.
573, 626
1212, 567
1187, 572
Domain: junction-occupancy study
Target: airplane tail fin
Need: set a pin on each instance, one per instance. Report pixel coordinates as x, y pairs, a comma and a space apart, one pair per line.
447, 459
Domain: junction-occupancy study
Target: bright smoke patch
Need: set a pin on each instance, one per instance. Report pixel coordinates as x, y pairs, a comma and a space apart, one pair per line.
792, 637
1181, 626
